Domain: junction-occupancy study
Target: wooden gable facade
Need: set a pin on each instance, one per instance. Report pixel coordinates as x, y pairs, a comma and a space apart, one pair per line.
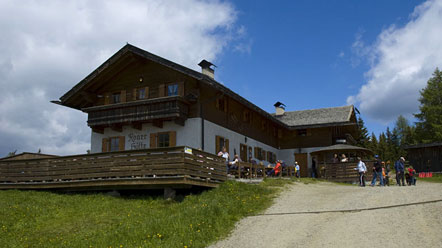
135, 87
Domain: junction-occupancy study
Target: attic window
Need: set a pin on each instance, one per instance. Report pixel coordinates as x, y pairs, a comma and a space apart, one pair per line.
116, 98
172, 90
302, 132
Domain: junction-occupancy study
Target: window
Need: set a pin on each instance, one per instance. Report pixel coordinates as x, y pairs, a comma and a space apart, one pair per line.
246, 116
172, 90
259, 153
221, 142
141, 93
263, 125
114, 144
116, 98
221, 104
163, 140
302, 132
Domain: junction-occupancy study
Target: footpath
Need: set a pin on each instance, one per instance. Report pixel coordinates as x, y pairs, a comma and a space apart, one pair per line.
309, 215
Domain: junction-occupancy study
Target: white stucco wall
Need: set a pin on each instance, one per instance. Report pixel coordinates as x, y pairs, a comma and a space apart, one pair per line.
187, 135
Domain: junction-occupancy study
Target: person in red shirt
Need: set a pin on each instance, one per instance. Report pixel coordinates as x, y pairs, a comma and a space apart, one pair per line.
412, 173
275, 170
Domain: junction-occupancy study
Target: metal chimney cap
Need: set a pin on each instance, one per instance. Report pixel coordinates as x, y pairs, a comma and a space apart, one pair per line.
279, 104
205, 64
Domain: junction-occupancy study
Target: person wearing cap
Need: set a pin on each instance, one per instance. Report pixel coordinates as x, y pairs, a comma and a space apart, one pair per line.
377, 171
297, 170
399, 166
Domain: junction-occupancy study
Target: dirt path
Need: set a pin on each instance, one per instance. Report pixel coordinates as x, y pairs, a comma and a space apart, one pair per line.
418, 225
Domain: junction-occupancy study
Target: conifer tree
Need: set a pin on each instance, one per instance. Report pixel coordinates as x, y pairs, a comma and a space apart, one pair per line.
429, 127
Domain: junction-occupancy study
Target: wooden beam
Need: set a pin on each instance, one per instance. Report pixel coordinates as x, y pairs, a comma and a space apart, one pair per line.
137, 125
179, 121
98, 130
158, 123
117, 127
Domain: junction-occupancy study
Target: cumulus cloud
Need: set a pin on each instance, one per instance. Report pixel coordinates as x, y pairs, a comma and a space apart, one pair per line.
402, 60
48, 46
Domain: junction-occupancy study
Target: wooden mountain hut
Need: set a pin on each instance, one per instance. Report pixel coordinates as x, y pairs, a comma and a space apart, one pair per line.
340, 171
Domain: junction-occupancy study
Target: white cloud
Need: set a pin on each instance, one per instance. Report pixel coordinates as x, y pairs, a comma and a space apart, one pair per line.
402, 60
48, 46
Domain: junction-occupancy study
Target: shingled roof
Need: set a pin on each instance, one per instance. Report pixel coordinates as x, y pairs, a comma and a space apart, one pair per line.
317, 117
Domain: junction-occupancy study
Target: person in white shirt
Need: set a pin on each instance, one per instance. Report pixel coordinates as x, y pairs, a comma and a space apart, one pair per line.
298, 172
234, 163
223, 153
362, 169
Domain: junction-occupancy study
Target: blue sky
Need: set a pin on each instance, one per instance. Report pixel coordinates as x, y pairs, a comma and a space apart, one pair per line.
306, 54
301, 51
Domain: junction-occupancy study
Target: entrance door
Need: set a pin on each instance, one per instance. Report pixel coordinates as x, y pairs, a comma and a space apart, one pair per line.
243, 152
301, 158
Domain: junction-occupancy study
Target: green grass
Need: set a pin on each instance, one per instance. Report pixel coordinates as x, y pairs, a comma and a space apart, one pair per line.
45, 219
437, 178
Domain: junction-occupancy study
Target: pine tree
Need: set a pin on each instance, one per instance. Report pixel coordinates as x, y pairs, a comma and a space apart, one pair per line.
362, 135
382, 147
429, 127
373, 144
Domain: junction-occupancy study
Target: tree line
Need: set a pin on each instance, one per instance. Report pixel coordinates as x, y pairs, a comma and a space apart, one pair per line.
389, 145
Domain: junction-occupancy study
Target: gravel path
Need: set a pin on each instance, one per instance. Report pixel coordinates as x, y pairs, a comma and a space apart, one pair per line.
416, 225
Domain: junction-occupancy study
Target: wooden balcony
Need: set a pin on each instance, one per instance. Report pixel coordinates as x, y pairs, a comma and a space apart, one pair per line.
149, 110
174, 167
344, 172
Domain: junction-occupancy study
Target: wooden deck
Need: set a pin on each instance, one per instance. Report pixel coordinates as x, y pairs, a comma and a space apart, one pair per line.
345, 172
175, 167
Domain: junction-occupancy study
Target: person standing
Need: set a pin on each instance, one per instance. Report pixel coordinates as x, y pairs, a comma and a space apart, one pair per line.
297, 170
399, 166
362, 169
387, 173
313, 167
377, 171
223, 153
335, 159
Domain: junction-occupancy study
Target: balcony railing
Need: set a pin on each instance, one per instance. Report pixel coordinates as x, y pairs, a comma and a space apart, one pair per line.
164, 108
147, 168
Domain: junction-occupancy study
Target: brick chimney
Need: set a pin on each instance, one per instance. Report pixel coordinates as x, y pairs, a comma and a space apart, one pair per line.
206, 68
279, 108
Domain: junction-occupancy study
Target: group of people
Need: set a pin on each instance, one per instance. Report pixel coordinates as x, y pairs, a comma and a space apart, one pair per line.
381, 171
233, 165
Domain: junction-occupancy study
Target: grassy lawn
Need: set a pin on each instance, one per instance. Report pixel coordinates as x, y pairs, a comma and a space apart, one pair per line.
437, 178
46, 219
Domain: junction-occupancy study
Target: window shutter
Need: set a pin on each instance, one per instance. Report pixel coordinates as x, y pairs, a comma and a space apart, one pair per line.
225, 104
123, 96
269, 156
134, 94
104, 144
255, 152
226, 141
146, 93
106, 98
121, 143
217, 145
263, 154
217, 103
161, 89
181, 88
279, 133
172, 138
153, 140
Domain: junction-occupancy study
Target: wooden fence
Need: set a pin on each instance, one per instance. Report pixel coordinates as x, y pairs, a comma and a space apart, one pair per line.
344, 172
149, 168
